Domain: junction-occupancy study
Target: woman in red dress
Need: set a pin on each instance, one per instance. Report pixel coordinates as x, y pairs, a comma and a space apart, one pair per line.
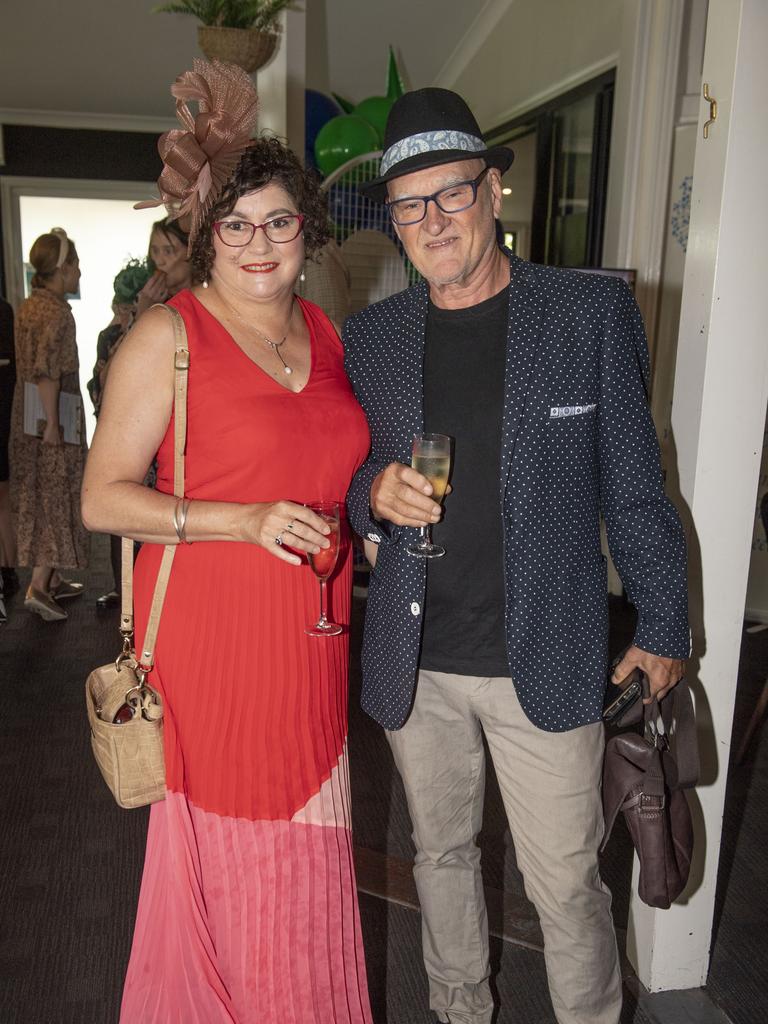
248, 910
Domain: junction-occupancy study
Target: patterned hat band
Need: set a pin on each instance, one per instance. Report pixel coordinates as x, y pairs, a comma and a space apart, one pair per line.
430, 142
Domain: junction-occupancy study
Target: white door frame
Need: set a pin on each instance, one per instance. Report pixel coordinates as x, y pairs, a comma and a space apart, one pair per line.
12, 188
641, 147
718, 413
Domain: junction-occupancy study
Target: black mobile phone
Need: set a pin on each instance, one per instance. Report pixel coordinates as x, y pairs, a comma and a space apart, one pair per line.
621, 696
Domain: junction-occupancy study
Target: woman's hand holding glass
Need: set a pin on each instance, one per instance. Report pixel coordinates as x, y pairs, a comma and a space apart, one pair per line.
284, 525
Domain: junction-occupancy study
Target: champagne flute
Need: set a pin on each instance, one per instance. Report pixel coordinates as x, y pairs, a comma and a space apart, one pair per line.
431, 456
323, 563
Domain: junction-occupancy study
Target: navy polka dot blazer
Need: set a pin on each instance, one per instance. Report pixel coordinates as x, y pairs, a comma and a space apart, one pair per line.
578, 442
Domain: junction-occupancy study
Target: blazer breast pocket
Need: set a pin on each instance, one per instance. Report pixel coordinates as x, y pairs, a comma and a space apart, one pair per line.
570, 432
563, 413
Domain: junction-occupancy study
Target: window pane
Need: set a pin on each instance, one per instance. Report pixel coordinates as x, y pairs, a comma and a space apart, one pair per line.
573, 132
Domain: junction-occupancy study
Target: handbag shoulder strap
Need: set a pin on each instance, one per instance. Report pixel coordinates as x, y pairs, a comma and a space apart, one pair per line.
181, 373
676, 712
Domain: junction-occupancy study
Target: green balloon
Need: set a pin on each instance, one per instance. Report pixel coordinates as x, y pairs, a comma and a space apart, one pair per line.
342, 138
346, 105
395, 87
375, 110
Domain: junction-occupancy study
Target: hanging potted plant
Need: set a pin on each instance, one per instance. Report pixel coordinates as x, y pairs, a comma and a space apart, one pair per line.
243, 32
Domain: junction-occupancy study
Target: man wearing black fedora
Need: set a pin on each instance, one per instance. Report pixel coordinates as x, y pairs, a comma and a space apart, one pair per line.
539, 376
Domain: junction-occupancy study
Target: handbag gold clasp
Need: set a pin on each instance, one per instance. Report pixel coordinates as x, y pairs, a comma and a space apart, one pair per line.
126, 654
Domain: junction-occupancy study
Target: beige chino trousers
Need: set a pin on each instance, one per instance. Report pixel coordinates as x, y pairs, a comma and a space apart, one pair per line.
550, 783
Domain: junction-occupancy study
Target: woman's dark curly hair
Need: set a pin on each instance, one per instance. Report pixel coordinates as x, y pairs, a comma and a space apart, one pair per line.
265, 161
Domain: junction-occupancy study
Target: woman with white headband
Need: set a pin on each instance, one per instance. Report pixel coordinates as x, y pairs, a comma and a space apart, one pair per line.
48, 450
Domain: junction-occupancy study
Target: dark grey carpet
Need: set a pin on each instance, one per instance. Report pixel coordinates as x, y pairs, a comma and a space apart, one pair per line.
70, 861
738, 978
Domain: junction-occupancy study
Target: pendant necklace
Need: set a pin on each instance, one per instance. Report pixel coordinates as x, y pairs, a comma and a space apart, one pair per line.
274, 345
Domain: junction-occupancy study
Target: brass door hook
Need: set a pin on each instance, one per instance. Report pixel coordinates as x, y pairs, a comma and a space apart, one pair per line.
712, 110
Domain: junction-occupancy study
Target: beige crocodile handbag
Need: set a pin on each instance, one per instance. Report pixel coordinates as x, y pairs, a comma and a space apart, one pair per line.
125, 713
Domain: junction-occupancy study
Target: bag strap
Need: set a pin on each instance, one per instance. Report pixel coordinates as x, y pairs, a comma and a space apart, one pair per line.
676, 713
181, 374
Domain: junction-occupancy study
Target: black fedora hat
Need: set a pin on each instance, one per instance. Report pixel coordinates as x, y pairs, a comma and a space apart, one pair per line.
426, 128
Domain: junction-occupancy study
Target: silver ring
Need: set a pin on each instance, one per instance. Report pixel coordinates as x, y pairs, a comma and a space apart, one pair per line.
279, 539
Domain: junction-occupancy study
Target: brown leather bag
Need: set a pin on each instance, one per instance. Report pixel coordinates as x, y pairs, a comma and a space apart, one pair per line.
647, 782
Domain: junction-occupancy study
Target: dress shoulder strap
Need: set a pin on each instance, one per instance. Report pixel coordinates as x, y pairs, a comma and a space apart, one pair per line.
320, 324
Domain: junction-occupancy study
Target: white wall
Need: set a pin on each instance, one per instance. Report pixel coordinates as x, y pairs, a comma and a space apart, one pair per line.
535, 50
671, 285
349, 41
671, 281
676, 230
281, 83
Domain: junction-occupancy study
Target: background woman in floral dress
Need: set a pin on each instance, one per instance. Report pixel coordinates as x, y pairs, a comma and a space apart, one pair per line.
46, 472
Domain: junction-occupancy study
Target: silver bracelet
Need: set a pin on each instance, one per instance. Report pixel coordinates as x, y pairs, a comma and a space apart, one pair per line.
180, 519
176, 524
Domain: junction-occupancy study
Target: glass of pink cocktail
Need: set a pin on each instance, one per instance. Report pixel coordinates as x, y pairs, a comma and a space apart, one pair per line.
323, 564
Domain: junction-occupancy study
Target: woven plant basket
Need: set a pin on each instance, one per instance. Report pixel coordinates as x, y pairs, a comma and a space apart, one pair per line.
249, 48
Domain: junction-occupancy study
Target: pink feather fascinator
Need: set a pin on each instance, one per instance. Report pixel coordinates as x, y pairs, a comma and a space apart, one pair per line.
199, 158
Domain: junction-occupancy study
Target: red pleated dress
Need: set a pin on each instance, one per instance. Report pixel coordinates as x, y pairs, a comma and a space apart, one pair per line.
248, 910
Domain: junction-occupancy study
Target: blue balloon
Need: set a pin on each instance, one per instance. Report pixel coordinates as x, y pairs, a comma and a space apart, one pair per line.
318, 110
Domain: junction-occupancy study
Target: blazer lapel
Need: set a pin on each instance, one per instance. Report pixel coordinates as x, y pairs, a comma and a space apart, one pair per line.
526, 321
412, 330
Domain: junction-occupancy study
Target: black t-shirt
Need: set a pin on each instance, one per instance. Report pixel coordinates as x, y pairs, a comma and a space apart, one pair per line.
464, 361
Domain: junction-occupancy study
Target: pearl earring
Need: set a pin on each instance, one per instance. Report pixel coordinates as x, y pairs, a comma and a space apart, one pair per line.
302, 275
205, 284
